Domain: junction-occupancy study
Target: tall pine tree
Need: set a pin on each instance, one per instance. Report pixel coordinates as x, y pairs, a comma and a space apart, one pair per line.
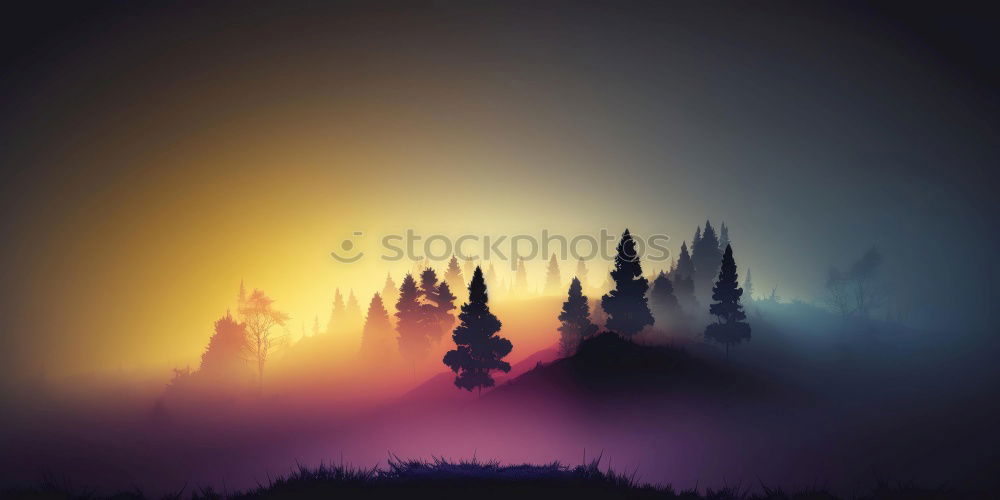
413, 340
430, 317
377, 335
478, 349
453, 275
730, 327
521, 283
706, 256
553, 278
663, 302
724, 237
575, 318
352, 313
626, 305
445, 305
582, 274
336, 314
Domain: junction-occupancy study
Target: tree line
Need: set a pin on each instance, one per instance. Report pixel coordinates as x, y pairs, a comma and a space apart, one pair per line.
424, 312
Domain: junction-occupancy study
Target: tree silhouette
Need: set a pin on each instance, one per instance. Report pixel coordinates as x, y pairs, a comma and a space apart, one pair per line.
553, 279
377, 335
223, 358
352, 314
575, 318
582, 274
723, 237
390, 292
453, 275
747, 287
260, 319
662, 301
492, 285
683, 282
413, 341
445, 305
707, 256
479, 350
430, 315
626, 305
521, 283
685, 266
336, 314
730, 328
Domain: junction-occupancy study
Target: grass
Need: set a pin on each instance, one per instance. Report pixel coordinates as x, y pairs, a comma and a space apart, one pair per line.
474, 480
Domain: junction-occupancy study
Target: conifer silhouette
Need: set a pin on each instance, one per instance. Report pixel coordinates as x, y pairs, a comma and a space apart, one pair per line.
521, 283
479, 350
223, 358
430, 315
663, 302
352, 313
377, 335
390, 292
492, 285
707, 256
575, 318
582, 274
626, 306
445, 305
730, 328
723, 237
413, 341
453, 275
748, 287
553, 279
336, 314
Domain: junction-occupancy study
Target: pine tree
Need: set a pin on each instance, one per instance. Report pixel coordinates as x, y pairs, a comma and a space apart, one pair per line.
430, 314
706, 256
747, 287
626, 305
723, 237
697, 238
413, 341
730, 328
581, 274
479, 350
453, 275
377, 335
352, 314
390, 292
521, 285
683, 282
663, 302
445, 305
685, 266
492, 285
553, 278
315, 331
223, 357
336, 314
575, 318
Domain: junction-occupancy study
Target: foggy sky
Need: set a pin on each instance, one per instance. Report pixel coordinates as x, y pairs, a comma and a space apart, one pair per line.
155, 155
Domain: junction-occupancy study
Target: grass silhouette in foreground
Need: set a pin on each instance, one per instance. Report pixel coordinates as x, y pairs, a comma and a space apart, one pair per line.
444, 479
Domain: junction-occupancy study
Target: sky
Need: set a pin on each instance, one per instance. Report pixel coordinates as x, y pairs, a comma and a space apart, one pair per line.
155, 156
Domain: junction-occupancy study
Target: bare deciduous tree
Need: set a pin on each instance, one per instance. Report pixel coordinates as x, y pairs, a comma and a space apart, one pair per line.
261, 319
